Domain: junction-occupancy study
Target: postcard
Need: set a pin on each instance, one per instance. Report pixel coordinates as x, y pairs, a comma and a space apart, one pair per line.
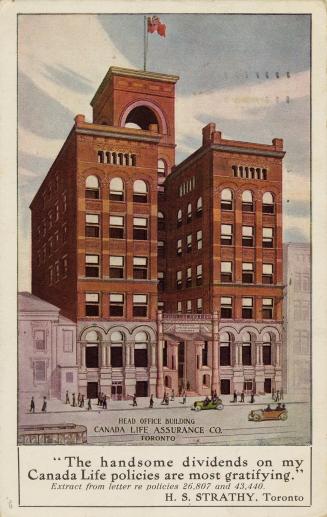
164, 339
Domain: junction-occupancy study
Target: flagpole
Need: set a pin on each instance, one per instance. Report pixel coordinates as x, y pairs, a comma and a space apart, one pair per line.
145, 42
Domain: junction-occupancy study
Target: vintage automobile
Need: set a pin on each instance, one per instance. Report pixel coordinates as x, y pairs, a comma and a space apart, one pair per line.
200, 405
258, 415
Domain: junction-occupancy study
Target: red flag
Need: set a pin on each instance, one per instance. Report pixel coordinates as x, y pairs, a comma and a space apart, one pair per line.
155, 25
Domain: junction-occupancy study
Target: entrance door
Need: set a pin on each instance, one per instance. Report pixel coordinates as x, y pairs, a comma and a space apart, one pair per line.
92, 390
117, 392
267, 386
225, 386
141, 388
248, 387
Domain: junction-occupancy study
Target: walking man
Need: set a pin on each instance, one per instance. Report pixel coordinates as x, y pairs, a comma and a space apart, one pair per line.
151, 402
74, 400
104, 401
67, 398
82, 401
89, 406
172, 397
44, 405
32, 406
252, 397
184, 397
235, 396
242, 396
134, 400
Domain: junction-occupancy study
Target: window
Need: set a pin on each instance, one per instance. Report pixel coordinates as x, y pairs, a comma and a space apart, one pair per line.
68, 340
179, 217
140, 305
39, 339
179, 279
50, 275
226, 238
199, 305
199, 206
226, 309
165, 354
267, 238
161, 167
268, 203
179, 248
199, 274
140, 268
205, 354
247, 236
266, 349
225, 349
189, 277
246, 349
141, 350
92, 190
116, 266
116, 304
92, 266
161, 280
116, 349
267, 308
57, 272
161, 221
140, 191
64, 201
116, 228
247, 273
161, 248
247, 308
92, 225
199, 239
64, 233
57, 211
140, 228
64, 267
116, 192
161, 306
189, 306
189, 212
189, 243
267, 273
226, 274
247, 201
40, 371
91, 304
179, 307
226, 199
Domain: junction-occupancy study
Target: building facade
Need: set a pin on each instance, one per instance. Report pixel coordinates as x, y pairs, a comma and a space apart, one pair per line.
47, 350
172, 273
297, 319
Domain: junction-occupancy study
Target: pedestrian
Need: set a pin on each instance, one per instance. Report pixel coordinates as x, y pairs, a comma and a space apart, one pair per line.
79, 400
184, 397
67, 398
44, 405
89, 406
242, 396
134, 400
172, 395
74, 400
273, 393
32, 406
99, 398
151, 402
252, 397
281, 394
166, 401
82, 401
235, 396
104, 401
277, 396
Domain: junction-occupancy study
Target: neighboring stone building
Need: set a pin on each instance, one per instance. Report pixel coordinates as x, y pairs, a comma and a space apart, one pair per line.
119, 232
47, 363
297, 319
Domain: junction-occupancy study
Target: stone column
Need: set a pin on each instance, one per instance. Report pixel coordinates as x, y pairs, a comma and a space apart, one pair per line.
261, 354
215, 384
160, 387
131, 354
127, 354
103, 355
83, 355
153, 354
108, 350
277, 354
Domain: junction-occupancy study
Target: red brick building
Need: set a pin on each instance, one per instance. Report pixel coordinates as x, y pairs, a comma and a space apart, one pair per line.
115, 223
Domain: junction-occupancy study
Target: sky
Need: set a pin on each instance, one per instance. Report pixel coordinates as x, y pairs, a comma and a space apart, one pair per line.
250, 74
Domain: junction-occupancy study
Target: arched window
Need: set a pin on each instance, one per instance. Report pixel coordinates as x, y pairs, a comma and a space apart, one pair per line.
167, 381
92, 190
162, 167
225, 348
116, 189
268, 203
141, 350
246, 349
199, 206
161, 221
116, 349
206, 380
226, 199
189, 212
179, 217
92, 350
266, 349
140, 191
247, 201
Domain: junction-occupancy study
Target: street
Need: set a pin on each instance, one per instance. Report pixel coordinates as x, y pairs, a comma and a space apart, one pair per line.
178, 424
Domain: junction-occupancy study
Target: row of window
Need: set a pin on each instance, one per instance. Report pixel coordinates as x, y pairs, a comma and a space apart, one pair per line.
117, 158
53, 186
116, 304
186, 187
117, 189
253, 173
227, 201
226, 270
248, 238
117, 267
226, 307
52, 217
58, 270
40, 342
53, 243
